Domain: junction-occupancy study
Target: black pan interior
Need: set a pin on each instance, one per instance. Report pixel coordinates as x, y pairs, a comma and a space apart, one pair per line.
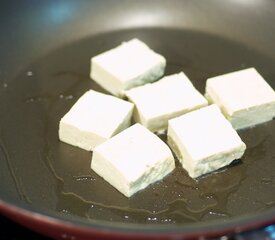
47, 174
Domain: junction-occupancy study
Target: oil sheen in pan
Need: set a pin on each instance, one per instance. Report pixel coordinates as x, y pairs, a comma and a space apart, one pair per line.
55, 176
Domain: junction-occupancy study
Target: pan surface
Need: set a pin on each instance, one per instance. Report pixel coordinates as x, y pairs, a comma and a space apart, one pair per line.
41, 174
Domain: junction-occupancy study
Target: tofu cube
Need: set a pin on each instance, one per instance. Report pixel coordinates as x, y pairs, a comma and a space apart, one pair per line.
129, 65
156, 103
132, 160
204, 141
244, 97
93, 119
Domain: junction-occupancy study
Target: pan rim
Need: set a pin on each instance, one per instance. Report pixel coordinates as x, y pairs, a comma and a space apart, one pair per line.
235, 225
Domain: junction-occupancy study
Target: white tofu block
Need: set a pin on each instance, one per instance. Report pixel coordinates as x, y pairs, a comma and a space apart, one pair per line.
244, 96
156, 103
129, 65
204, 141
93, 119
132, 160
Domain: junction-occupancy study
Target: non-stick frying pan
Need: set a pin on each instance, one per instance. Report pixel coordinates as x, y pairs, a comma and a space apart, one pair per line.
48, 186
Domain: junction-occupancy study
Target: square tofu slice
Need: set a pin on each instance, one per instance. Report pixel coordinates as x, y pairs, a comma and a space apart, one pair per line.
156, 103
93, 119
129, 65
132, 160
204, 141
244, 96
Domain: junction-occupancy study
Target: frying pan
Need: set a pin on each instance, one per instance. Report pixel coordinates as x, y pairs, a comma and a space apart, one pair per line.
48, 186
